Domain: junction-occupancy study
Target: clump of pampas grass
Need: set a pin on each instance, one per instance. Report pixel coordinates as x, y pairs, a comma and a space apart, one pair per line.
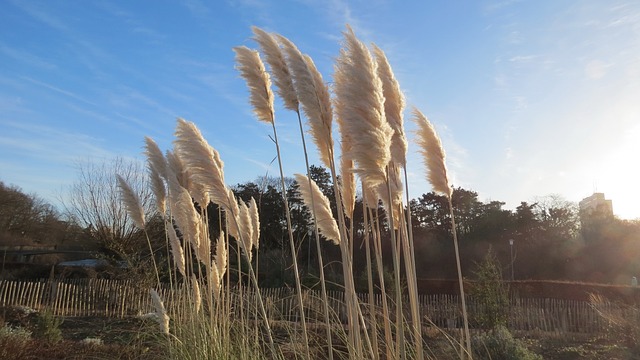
359, 106
368, 106
258, 81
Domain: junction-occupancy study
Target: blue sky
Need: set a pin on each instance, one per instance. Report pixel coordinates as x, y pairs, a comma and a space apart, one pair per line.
531, 98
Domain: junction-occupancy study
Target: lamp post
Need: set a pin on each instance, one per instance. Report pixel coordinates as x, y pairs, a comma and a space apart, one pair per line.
511, 248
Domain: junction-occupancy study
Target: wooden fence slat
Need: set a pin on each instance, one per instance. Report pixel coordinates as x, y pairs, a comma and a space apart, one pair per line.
100, 297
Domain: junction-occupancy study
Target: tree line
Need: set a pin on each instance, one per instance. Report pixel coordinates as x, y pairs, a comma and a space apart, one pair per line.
545, 239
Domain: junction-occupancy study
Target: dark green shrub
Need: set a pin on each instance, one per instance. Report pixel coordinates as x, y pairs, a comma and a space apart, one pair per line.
47, 327
499, 344
492, 293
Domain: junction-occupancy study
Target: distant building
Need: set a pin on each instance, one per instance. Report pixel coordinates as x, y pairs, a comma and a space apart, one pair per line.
596, 204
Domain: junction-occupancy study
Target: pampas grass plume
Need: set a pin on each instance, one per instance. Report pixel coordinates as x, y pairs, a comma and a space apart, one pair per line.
187, 219
161, 312
394, 104
202, 162
279, 70
221, 256
246, 230
159, 190
216, 280
255, 223
253, 71
313, 94
176, 249
433, 154
197, 296
132, 202
322, 207
359, 106
347, 180
155, 159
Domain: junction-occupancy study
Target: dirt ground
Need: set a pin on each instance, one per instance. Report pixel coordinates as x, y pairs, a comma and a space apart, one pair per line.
129, 334
124, 331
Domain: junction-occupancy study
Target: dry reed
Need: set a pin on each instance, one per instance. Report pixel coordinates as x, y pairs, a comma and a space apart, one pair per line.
279, 70
433, 154
368, 107
202, 161
394, 104
197, 295
255, 223
155, 158
252, 70
157, 166
160, 311
131, 202
176, 250
321, 205
359, 105
246, 230
221, 256
313, 95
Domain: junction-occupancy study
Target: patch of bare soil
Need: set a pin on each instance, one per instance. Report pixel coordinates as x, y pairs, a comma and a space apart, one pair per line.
129, 339
582, 349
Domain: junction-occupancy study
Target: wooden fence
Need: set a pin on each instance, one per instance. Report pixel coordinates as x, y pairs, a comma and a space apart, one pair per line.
95, 297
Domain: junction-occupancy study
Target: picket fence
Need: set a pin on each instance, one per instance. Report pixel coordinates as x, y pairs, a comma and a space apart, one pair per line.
99, 297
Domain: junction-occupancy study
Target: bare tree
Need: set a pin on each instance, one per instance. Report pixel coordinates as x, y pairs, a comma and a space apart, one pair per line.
93, 201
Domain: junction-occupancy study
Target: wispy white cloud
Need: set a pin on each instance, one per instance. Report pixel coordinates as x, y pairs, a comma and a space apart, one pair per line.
523, 58
596, 69
25, 57
42, 142
509, 153
39, 14
197, 8
515, 38
339, 13
493, 6
131, 20
11, 103
58, 90
260, 164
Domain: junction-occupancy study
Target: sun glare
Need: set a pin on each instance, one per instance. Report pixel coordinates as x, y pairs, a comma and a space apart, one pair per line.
619, 177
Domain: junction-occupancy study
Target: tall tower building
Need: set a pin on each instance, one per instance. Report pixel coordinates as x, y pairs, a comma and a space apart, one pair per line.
596, 204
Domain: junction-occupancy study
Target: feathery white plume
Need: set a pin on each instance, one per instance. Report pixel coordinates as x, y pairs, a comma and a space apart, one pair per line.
324, 217
393, 107
359, 105
279, 69
176, 249
131, 202
161, 312
433, 154
252, 70
313, 95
